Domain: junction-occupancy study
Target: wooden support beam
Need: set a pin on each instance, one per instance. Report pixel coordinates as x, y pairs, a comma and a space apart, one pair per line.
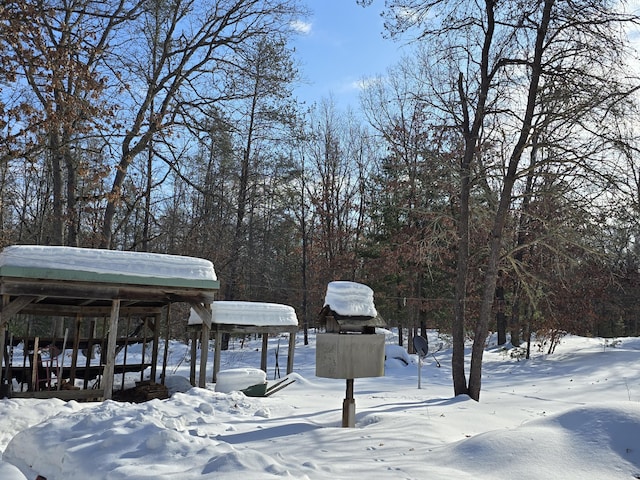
3, 338
194, 352
11, 308
204, 353
217, 354
349, 407
91, 394
34, 366
107, 377
204, 312
263, 353
167, 314
157, 323
87, 311
290, 352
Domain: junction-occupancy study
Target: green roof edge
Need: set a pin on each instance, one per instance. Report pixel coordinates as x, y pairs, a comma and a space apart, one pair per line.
94, 277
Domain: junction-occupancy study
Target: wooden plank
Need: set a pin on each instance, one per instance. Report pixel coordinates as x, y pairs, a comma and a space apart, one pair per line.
76, 345
203, 312
88, 310
290, 352
3, 340
104, 291
111, 350
66, 395
91, 372
15, 306
165, 356
156, 341
217, 353
194, 352
263, 353
247, 329
204, 353
34, 366
82, 343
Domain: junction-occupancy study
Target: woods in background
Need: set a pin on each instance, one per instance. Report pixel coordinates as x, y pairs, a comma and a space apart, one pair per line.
491, 181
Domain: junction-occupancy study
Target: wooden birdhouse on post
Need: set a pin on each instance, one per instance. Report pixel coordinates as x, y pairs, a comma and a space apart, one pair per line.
350, 348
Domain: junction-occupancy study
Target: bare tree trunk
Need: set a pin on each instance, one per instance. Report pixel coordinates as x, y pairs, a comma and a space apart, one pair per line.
57, 225
304, 266
495, 242
71, 220
457, 356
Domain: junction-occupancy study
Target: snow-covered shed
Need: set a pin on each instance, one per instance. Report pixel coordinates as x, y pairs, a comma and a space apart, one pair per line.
240, 318
82, 283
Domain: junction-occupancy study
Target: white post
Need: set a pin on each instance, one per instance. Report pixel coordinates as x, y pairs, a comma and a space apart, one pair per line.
419, 371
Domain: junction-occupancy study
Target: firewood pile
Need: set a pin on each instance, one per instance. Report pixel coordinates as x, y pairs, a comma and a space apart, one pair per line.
142, 392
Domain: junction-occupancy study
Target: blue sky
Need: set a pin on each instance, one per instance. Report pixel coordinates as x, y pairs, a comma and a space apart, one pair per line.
342, 44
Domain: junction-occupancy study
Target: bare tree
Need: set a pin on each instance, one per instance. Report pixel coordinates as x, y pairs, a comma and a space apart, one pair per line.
336, 166
55, 52
414, 234
491, 62
263, 83
199, 43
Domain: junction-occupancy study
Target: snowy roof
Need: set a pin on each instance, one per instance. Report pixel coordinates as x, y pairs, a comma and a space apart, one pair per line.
110, 266
248, 313
350, 299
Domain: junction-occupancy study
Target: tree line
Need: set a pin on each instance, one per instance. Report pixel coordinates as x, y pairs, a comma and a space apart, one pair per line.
488, 182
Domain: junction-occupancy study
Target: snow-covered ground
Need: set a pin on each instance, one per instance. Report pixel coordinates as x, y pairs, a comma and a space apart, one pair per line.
571, 415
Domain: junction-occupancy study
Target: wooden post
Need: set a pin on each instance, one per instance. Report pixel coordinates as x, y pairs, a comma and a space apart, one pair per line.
109, 368
216, 354
157, 323
204, 353
34, 366
89, 352
3, 337
349, 407
145, 325
194, 352
292, 346
61, 364
126, 349
167, 312
76, 347
265, 349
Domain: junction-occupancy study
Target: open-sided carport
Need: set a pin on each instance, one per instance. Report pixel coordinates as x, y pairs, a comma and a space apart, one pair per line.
88, 283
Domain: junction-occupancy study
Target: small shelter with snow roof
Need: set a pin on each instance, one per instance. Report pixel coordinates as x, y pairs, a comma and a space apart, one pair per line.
243, 318
86, 286
349, 307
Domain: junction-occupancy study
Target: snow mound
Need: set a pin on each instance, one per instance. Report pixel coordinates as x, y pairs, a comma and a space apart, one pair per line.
237, 379
555, 444
398, 353
156, 439
9, 472
177, 383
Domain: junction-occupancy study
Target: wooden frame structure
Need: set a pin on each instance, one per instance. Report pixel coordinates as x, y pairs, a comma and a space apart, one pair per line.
236, 318
265, 331
76, 293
